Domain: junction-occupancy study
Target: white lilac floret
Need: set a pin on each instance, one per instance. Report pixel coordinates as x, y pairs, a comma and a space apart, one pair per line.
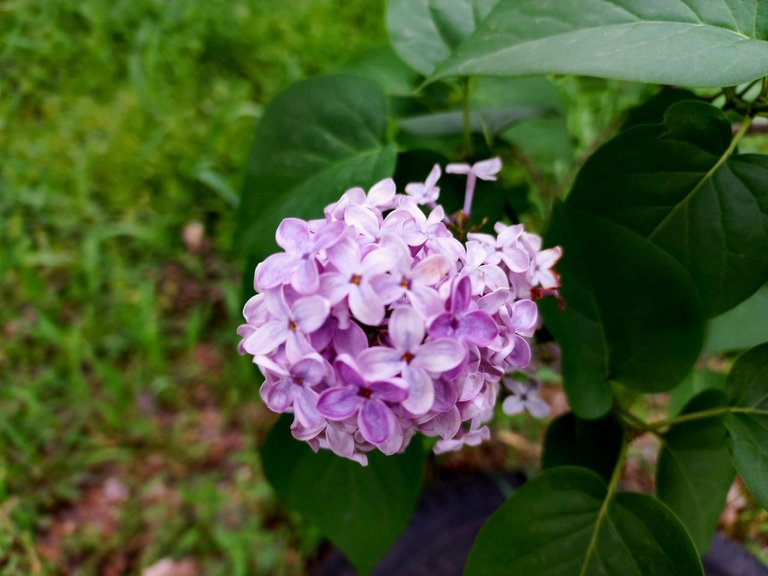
376, 323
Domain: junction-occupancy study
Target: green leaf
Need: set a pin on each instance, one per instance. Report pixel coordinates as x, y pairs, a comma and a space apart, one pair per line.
362, 510
747, 424
318, 138
681, 42
679, 185
561, 523
631, 312
486, 121
593, 444
740, 328
425, 32
382, 65
692, 385
694, 470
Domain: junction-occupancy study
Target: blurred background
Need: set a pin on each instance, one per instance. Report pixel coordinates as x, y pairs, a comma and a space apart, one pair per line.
129, 425
128, 422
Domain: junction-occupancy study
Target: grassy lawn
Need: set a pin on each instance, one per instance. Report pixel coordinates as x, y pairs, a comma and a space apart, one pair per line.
128, 423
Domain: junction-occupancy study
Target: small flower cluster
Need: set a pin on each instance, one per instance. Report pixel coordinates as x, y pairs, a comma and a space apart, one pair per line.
376, 323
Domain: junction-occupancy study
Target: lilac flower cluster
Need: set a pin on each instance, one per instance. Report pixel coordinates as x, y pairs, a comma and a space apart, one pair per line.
376, 323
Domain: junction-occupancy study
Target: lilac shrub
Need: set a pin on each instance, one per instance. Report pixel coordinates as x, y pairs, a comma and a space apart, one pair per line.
376, 322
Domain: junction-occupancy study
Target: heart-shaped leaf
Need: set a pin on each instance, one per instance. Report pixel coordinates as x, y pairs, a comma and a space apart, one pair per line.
486, 121
695, 471
631, 312
360, 509
593, 444
681, 42
747, 423
740, 328
426, 32
565, 522
680, 185
318, 138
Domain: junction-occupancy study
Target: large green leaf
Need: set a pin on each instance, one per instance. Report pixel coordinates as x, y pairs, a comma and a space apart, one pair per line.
318, 138
697, 381
382, 65
593, 444
679, 185
631, 312
486, 121
682, 42
695, 471
747, 424
425, 32
360, 509
562, 523
740, 328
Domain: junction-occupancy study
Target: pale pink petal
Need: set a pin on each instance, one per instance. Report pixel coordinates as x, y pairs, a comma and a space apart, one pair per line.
491, 303
376, 421
421, 391
310, 312
439, 356
334, 287
524, 316
274, 301
513, 405
394, 443
546, 258
520, 356
487, 169
339, 403
275, 270
279, 396
365, 305
328, 235
309, 371
380, 362
425, 300
340, 441
516, 260
458, 169
364, 220
389, 392
406, 329
345, 256
445, 425
266, 338
305, 408
446, 395
537, 407
305, 279
381, 260
382, 193
431, 270
351, 340
461, 295
387, 287
471, 387
477, 328
293, 236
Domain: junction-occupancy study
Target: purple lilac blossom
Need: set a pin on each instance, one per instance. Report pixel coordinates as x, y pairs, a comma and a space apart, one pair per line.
375, 323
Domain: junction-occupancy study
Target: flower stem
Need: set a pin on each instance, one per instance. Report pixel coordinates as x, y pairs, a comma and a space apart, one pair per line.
469, 193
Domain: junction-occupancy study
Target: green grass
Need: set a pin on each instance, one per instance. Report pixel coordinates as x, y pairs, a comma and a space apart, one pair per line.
128, 424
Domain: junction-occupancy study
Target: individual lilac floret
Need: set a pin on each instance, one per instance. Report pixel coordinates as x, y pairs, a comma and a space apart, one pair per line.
376, 323
363, 400
524, 397
485, 170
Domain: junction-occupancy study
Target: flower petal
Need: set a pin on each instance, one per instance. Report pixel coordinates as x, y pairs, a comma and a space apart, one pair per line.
279, 396
380, 362
334, 286
266, 338
382, 193
406, 329
309, 371
275, 270
376, 421
340, 441
309, 313
487, 169
305, 408
524, 316
461, 294
421, 391
513, 405
537, 407
431, 270
305, 279
478, 328
439, 355
520, 356
293, 236
365, 305
339, 403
